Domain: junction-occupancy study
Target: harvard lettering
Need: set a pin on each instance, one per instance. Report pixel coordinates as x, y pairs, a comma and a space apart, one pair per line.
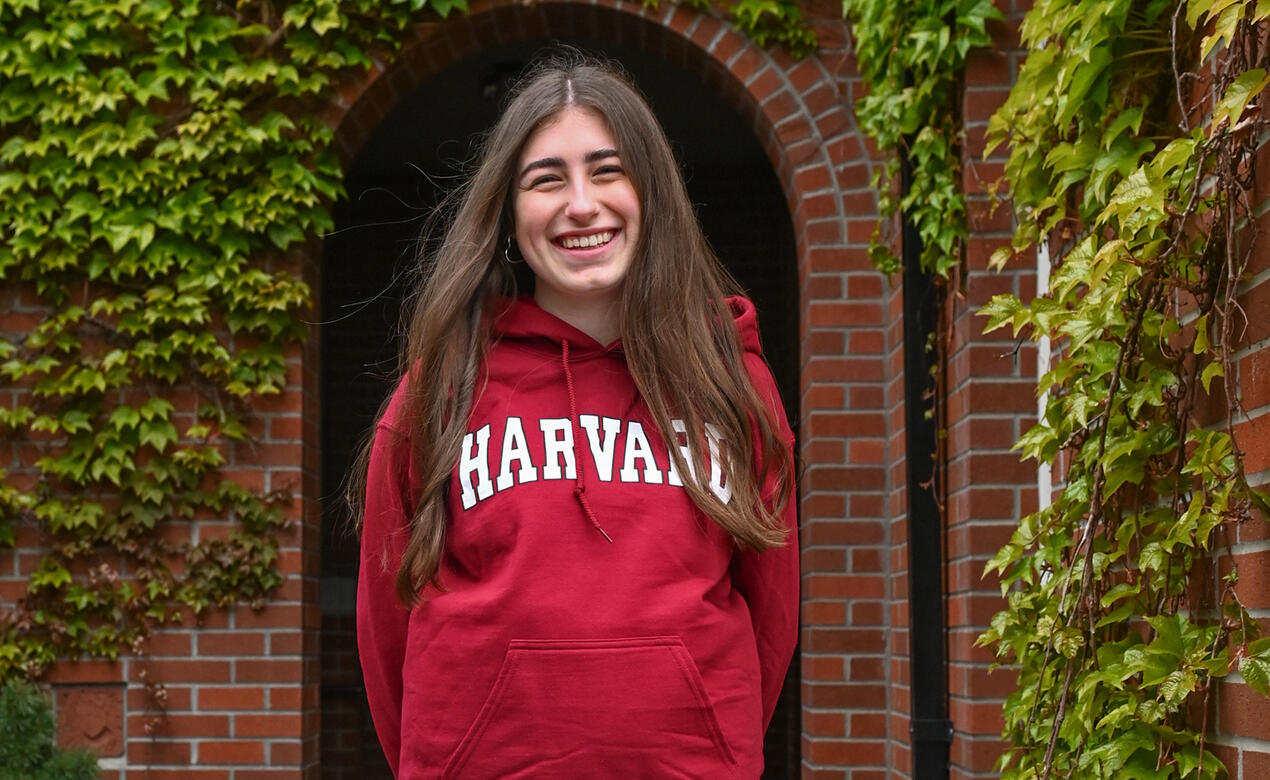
555, 459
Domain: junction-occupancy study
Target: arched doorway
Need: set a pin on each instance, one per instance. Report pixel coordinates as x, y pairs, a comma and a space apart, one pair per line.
408, 162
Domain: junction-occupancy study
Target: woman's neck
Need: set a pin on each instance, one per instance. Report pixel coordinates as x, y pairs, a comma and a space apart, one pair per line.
598, 320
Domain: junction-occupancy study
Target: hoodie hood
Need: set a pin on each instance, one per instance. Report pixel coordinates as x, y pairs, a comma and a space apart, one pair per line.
522, 320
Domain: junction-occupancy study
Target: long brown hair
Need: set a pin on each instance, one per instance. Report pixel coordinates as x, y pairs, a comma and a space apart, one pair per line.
676, 327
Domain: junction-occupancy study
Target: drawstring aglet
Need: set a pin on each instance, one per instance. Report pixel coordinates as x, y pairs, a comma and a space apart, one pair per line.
579, 491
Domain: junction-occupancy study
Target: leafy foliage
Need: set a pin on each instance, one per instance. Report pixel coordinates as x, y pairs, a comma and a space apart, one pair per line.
1115, 619
159, 159
27, 749
912, 56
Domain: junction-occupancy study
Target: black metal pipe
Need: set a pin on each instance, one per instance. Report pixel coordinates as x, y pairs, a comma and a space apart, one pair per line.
930, 730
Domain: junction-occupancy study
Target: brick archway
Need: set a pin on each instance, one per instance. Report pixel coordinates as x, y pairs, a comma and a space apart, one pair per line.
793, 107
797, 110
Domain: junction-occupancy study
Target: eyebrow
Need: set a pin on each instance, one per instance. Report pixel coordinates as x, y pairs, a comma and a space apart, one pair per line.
558, 162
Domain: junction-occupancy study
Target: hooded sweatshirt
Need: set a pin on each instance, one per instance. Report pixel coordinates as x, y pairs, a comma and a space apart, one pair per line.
553, 651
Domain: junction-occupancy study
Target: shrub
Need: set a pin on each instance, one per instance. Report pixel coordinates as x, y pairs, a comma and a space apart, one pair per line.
27, 748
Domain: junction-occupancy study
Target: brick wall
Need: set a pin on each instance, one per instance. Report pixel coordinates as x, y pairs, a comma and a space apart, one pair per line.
234, 686
990, 402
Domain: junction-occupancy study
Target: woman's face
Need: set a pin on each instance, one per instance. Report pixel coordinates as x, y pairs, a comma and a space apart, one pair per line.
577, 213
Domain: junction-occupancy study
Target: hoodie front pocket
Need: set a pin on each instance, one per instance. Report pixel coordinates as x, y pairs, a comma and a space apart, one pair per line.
595, 708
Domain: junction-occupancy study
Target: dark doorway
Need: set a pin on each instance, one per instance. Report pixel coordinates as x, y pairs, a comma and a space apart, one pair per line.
408, 165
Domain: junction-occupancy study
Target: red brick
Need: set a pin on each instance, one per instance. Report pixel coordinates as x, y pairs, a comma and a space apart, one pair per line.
173, 697
842, 640
231, 643
237, 697
843, 586
231, 752
285, 753
270, 725
289, 698
268, 670
186, 773
824, 613
182, 724
164, 670
844, 695
158, 751
844, 752
85, 672
1241, 711
1255, 764
824, 724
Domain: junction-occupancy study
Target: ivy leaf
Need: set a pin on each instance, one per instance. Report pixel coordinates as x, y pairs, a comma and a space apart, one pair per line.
158, 434
1138, 190
1256, 673
1178, 685
1231, 107
1123, 590
1232, 13
1089, 77
444, 7
1213, 369
50, 575
284, 235
1118, 615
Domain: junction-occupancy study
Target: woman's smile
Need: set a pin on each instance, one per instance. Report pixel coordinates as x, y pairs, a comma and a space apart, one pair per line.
590, 241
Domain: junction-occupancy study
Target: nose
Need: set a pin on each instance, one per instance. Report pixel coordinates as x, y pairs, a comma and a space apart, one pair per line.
582, 204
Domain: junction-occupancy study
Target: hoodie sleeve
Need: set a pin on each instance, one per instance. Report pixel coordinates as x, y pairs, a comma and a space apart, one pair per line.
769, 580
382, 620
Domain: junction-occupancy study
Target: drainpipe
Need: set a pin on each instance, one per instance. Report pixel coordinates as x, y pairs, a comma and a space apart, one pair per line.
1044, 478
930, 730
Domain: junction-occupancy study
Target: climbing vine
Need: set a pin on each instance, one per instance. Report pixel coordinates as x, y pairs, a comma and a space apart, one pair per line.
912, 57
160, 161
1131, 130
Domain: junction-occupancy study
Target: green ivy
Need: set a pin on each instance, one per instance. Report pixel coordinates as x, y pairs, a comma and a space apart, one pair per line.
912, 56
1116, 621
161, 161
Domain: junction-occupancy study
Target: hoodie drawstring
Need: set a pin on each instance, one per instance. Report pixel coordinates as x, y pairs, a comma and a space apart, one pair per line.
579, 487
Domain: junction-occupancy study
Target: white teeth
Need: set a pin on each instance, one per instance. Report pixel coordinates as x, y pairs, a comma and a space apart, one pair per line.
586, 242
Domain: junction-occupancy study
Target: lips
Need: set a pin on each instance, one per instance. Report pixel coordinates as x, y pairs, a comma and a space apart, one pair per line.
587, 241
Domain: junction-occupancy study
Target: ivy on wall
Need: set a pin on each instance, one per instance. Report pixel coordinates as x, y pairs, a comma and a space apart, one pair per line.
160, 160
912, 56
1131, 132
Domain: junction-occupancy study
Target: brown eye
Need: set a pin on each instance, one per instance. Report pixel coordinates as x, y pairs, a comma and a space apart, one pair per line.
544, 180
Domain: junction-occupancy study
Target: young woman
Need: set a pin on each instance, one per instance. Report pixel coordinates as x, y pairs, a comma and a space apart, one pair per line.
579, 553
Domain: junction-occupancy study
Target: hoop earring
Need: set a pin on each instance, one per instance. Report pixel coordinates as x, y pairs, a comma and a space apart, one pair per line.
507, 252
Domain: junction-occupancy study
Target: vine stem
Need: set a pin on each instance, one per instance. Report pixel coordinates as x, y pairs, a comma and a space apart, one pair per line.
1095, 518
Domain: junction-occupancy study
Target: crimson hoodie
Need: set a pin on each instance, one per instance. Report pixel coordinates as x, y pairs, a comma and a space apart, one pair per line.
553, 652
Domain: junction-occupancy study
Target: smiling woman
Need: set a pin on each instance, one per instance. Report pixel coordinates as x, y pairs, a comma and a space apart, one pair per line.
577, 220
578, 551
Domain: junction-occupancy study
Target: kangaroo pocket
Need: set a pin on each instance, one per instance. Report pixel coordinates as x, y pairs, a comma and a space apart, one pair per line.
595, 708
